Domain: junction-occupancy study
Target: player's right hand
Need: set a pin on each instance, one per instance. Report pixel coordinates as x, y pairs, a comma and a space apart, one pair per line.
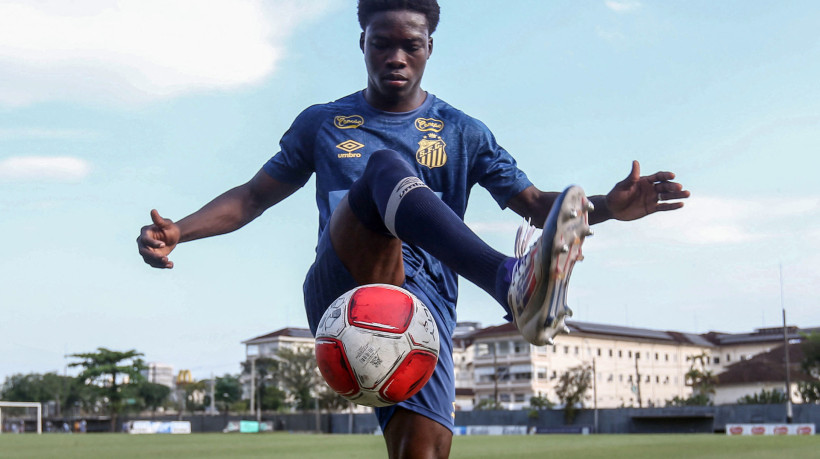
157, 240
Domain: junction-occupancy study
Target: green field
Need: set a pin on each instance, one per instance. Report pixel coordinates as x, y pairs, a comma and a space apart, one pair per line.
283, 445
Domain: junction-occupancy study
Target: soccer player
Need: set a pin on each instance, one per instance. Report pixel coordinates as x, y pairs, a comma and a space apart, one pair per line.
395, 166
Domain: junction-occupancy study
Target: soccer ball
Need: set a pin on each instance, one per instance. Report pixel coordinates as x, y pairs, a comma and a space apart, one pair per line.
377, 345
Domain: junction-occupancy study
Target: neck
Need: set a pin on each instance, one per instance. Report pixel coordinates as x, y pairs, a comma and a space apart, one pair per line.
396, 104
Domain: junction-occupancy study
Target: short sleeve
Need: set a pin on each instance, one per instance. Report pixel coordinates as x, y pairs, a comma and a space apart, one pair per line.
294, 163
494, 168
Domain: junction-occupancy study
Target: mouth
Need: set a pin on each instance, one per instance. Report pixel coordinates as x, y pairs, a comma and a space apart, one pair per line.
395, 79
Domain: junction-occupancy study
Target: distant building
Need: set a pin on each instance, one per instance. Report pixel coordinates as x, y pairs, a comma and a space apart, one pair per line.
764, 371
634, 367
160, 373
286, 338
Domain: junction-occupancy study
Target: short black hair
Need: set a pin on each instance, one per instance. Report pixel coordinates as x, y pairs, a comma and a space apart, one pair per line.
428, 8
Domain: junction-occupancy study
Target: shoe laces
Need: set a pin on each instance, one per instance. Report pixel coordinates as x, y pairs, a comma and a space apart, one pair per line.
523, 235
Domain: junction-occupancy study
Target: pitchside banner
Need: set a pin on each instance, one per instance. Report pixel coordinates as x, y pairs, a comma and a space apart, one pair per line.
159, 427
490, 430
769, 429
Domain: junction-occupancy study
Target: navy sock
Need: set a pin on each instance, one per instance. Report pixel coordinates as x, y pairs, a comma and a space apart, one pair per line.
390, 199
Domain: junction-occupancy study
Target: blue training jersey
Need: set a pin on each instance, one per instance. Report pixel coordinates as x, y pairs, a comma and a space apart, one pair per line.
450, 151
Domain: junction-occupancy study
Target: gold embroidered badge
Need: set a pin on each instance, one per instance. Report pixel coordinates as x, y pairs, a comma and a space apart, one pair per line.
349, 146
348, 121
429, 125
431, 151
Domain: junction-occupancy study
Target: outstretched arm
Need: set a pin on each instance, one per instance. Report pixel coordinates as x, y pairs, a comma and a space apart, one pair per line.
630, 199
228, 212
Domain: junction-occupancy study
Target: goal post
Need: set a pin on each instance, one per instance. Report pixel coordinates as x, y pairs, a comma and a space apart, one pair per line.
37, 405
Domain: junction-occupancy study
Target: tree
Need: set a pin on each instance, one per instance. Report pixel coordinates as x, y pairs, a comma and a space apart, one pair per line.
572, 388
701, 380
300, 376
227, 391
109, 372
810, 390
153, 395
764, 397
540, 402
268, 394
488, 404
64, 391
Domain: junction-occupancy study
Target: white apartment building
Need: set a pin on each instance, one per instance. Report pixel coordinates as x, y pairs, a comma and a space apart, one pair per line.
634, 367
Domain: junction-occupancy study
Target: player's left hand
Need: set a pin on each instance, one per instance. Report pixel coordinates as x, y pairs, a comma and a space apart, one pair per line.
636, 196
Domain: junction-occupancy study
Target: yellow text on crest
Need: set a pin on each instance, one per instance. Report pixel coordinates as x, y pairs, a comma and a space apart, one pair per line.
431, 151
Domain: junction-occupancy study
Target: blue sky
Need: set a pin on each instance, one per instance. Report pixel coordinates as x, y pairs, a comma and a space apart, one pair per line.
110, 109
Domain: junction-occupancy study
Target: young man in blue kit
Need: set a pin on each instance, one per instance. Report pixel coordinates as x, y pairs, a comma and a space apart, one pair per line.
394, 168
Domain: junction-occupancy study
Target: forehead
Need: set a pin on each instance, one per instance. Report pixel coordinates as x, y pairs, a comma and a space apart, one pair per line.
399, 23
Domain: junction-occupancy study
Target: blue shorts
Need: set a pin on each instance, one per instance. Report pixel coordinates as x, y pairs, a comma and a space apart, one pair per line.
328, 279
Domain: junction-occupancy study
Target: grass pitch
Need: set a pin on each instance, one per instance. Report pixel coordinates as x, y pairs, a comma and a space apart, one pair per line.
283, 445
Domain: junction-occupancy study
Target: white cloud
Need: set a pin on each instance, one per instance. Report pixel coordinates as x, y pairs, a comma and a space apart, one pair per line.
720, 220
52, 168
137, 50
622, 6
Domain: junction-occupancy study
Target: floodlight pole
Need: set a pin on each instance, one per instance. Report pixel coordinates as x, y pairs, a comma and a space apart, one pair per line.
786, 352
253, 382
595, 394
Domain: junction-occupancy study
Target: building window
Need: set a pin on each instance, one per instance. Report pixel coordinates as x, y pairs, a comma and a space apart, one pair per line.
728, 358
503, 347
630, 354
716, 360
599, 352
576, 350
541, 373
554, 349
519, 398
637, 356
656, 356
566, 349
504, 397
520, 347
610, 352
620, 354
666, 357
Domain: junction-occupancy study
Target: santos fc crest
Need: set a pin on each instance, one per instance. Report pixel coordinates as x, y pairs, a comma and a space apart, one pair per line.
431, 151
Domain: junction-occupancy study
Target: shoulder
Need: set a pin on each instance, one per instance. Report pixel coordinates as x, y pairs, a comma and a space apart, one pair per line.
465, 122
327, 111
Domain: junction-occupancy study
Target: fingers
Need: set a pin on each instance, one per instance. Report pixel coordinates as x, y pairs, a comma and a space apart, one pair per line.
150, 244
635, 173
159, 221
154, 259
670, 190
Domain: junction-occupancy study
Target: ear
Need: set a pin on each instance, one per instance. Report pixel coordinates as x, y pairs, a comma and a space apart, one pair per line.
361, 41
429, 47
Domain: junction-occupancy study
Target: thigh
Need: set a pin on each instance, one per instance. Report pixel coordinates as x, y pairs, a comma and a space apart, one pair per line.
370, 257
411, 435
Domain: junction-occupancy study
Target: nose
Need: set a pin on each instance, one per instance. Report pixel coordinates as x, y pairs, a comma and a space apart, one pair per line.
396, 58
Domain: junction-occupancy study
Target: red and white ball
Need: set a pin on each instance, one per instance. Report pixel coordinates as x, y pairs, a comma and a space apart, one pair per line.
377, 345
